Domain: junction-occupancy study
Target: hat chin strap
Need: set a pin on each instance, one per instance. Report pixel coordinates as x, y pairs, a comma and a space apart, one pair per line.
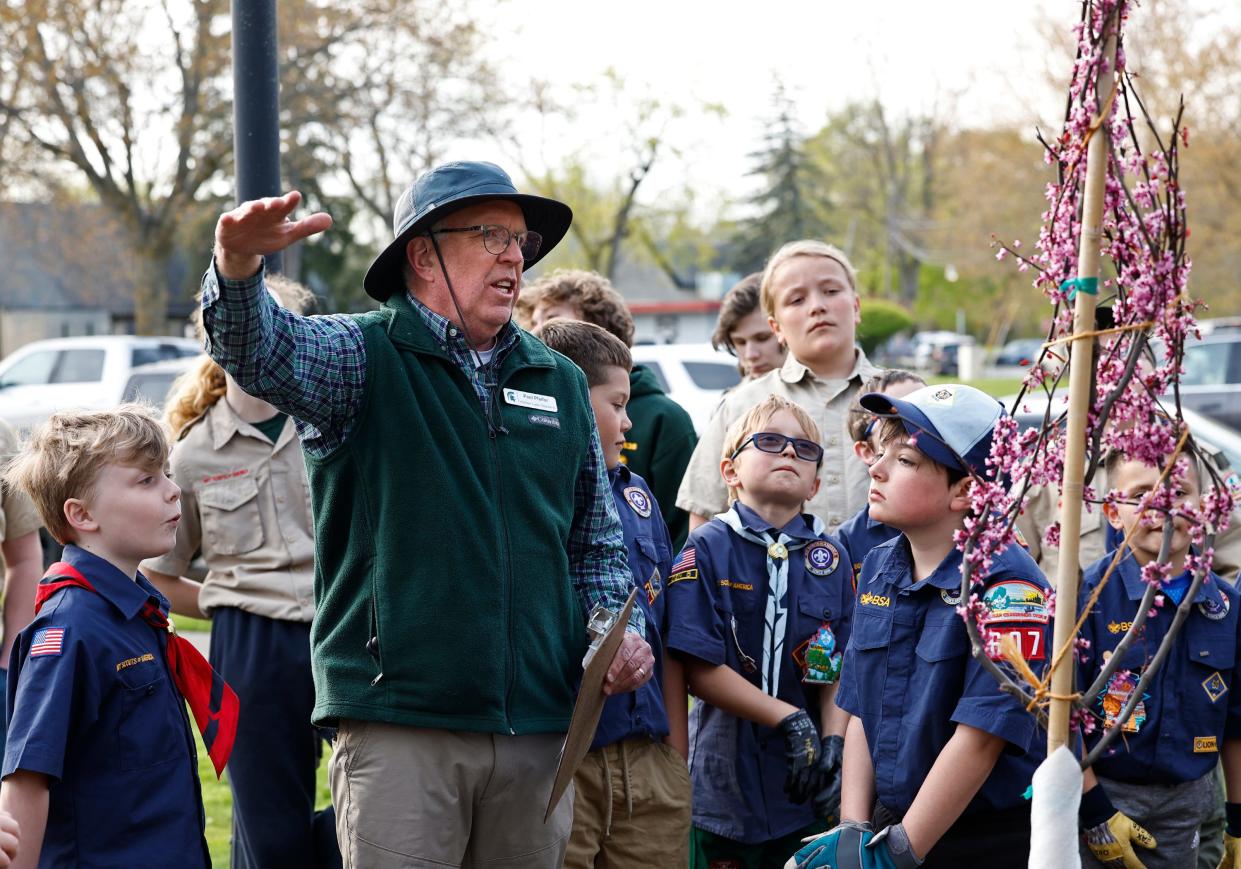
494, 423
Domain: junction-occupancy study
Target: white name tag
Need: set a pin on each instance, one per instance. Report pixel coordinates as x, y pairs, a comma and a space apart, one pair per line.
532, 400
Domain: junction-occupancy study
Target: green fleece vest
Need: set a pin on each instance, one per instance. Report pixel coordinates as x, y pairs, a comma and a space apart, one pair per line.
448, 544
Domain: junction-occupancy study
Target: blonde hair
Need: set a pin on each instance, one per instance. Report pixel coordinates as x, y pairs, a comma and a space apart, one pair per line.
757, 418
65, 455
805, 247
195, 391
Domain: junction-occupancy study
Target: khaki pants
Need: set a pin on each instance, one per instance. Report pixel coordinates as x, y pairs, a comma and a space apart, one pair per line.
415, 797
632, 808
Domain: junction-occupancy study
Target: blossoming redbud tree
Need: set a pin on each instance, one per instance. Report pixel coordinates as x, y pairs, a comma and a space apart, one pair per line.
1123, 373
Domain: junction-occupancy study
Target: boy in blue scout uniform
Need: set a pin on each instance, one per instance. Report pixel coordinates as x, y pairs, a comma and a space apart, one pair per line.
759, 604
631, 804
860, 533
100, 767
1158, 776
937, 754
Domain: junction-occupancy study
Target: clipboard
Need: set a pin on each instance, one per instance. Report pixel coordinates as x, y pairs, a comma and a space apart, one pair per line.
588, 708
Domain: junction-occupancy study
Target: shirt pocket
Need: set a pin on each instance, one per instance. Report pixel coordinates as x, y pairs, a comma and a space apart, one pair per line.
865, 665
230, 516
943, 641
151, 730
1213, 650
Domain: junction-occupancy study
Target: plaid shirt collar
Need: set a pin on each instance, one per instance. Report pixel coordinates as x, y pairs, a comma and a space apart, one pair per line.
452, 339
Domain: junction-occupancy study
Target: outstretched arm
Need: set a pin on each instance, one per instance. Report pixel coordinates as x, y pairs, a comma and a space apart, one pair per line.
313, 368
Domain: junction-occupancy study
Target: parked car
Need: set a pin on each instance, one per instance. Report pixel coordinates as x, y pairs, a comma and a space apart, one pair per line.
151, 383
1211, 384
88, 372
936, 352
1020, 351
693, 375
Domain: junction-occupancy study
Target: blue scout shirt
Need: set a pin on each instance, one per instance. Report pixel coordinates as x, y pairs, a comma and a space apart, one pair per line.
910, 677
93, 706
717, 598
1177, 730
641, 713
860, 534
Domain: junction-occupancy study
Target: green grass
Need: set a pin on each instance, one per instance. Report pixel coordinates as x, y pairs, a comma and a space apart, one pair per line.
185, 623
218, 801
993, 386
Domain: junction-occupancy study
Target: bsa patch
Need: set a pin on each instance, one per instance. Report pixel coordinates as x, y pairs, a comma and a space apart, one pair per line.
654, 586
951, 597
1015, 600
47, 642
1114, 697
1119, 627
639, 501
871, 599
1205, 745
821, 558
1215, 609
1215, 686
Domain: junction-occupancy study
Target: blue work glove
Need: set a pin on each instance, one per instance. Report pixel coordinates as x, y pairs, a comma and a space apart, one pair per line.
891, 849
826, 801
842, 847
801, 756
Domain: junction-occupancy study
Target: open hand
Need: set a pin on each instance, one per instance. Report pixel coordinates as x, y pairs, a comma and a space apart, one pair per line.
260, 227
632, 667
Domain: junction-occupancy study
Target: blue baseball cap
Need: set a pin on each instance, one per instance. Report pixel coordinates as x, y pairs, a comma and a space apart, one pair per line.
952, 423
443, 190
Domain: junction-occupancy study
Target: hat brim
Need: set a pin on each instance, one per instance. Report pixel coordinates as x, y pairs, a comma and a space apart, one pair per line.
550, 218
917, 425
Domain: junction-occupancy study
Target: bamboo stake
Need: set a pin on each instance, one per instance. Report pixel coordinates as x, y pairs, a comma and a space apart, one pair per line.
1081, 377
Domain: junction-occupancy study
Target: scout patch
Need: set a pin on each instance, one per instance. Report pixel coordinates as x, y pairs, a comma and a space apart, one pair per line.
871, 599
950, 597
144, 658
532, 400
637, 498
1015, 600
1215, 609
1205, 745
1114, 697
1029, 641
819, 658
821, 558
653, 586
1119, 627
1215, 686
49, 641
943, 396
685, 567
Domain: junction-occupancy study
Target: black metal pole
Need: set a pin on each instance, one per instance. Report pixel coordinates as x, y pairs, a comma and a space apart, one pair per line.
256, 104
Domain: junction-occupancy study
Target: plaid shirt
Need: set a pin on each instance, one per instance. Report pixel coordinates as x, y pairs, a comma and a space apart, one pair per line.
314, 369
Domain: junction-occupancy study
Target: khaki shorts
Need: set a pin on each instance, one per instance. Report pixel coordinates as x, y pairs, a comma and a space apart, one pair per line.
632, 808
415, 797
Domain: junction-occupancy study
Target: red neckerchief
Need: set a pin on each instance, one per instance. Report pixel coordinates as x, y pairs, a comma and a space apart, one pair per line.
213, 703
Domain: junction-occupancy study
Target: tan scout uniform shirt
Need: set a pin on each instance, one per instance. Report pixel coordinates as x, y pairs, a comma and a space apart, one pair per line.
843, 480
1043, 510
247, 506
18, 516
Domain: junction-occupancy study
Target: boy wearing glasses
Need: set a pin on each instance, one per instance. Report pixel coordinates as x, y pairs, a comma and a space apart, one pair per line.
759, 606
937, 758
631, 793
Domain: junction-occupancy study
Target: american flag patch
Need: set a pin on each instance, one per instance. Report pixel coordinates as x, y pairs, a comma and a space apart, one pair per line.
685, 560
49, 641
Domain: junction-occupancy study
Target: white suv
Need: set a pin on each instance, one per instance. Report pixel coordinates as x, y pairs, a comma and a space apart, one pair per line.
88, 372
693, 375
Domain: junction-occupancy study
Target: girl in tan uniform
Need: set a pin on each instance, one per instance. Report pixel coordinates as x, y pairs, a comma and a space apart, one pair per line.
245, 505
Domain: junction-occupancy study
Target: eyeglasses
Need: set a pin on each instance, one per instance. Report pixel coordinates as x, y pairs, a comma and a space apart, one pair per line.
774, 442
496, 239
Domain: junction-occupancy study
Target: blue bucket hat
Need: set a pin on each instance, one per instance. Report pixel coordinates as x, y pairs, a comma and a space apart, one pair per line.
952, 423
443, 190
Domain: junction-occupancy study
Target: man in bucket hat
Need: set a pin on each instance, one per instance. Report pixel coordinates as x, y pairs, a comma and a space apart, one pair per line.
464, 525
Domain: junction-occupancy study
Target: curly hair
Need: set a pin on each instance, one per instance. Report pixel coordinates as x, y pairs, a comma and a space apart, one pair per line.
592, 294
202, 385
